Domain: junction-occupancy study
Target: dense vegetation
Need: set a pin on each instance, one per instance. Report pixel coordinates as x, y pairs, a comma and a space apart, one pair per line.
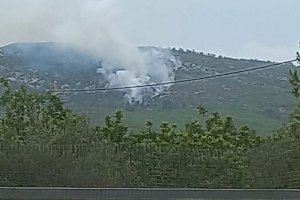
45, 144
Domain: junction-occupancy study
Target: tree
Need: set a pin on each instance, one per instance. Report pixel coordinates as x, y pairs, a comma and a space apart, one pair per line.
34, 118
114, 130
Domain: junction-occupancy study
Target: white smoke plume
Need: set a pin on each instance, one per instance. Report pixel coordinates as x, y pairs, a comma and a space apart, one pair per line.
91, 26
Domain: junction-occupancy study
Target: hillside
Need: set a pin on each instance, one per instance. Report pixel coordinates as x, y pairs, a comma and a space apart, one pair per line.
260, 99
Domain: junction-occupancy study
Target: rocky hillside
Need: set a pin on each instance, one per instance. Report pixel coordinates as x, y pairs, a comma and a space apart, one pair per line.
260, 99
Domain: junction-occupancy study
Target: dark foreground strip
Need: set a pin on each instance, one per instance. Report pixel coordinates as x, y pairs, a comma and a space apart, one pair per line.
141, 194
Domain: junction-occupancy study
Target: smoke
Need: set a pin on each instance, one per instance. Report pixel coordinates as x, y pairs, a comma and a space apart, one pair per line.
92, 27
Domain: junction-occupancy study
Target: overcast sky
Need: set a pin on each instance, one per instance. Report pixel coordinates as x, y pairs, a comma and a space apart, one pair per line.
263, 29
267, 29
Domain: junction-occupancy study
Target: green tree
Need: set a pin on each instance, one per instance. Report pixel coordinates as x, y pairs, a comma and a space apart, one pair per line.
114, 131
34, 118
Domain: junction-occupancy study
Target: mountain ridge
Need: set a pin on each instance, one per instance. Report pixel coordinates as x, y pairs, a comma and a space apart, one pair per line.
251, 97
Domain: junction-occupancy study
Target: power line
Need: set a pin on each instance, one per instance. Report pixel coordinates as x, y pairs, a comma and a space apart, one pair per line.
178, 81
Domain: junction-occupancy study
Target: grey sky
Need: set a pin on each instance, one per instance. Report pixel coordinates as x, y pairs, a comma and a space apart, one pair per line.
266, 29
263, 29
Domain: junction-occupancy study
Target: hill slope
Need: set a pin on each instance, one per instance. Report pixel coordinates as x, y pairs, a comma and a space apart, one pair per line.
260, 99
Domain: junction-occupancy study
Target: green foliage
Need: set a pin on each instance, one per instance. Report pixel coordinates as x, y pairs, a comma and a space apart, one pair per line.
294, 80
38, 118
211, 151
279, 156
208, 132
114, 130
293, 128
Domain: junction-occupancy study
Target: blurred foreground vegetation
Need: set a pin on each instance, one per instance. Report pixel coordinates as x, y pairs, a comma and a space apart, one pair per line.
45, 144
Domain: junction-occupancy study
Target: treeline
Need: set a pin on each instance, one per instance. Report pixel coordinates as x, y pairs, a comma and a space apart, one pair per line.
45, 144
